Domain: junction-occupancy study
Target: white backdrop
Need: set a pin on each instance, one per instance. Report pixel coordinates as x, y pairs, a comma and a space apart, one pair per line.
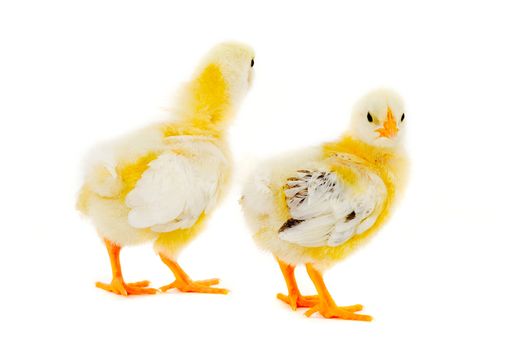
447, 272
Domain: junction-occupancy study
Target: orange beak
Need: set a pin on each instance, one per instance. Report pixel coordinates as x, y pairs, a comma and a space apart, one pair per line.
389, 128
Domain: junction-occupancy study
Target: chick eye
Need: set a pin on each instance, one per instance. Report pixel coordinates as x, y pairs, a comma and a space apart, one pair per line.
253, 62
403, 117
369, 117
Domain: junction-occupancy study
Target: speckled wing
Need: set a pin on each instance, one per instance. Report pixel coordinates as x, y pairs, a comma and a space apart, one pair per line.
171, 194
326, 211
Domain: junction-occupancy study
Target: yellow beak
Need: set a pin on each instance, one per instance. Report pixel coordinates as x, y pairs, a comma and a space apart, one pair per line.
389, 128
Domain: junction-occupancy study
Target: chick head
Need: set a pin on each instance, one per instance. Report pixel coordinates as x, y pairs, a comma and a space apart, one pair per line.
236, 64
378, 118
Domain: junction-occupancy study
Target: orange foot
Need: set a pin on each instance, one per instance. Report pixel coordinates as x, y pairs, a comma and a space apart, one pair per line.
190, 286
298, 300
342, 312
184, 283
326, 306
119, 287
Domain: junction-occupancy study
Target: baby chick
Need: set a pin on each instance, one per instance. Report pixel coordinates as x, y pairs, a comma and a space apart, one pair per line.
161, 183
317, 205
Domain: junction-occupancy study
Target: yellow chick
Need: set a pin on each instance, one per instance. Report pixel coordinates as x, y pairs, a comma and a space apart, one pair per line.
161, 183
317, 205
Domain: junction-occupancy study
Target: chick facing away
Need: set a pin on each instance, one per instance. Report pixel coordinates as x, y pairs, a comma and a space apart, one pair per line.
315, 206
161, 183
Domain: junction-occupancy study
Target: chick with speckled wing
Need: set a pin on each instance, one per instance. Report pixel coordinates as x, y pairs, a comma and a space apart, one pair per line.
317, 205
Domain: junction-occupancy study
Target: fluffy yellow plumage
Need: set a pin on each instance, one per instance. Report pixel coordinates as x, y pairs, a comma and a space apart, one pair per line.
316, 206
161, 183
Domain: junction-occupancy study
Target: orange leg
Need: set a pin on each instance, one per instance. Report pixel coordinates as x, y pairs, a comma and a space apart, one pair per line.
117, 285
326, 306
185, 284
294, 297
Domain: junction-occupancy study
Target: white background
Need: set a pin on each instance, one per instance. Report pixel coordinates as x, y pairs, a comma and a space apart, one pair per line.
447, 272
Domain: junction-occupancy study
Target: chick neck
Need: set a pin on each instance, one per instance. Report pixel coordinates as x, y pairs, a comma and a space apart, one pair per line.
380, 156
205, 106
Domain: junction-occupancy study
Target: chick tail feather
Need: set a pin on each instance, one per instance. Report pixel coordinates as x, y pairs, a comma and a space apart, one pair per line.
258, 201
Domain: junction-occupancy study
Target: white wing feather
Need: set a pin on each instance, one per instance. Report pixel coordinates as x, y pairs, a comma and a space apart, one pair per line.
326, 212
175, 189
